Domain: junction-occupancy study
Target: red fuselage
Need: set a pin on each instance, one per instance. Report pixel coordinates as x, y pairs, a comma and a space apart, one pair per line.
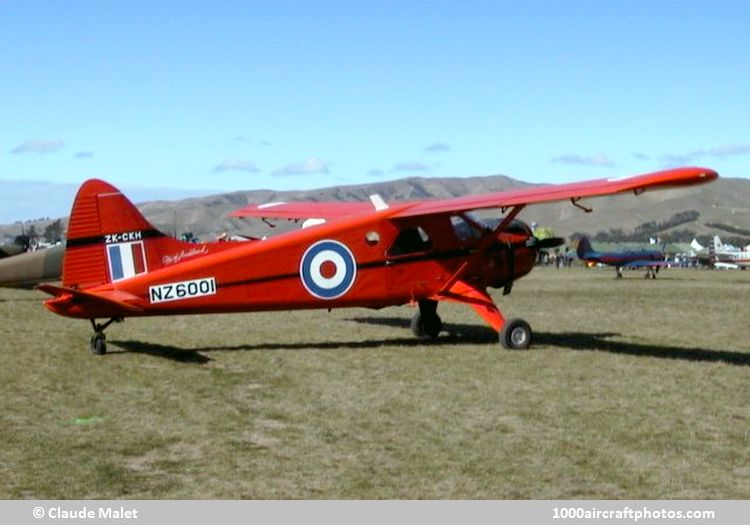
365, 261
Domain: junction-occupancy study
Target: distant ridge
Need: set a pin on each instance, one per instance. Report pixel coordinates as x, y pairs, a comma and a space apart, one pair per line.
206, 215
726, 201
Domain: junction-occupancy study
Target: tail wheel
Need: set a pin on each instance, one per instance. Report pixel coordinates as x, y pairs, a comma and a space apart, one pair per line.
426, 326
97, 342
515, 335
98, 346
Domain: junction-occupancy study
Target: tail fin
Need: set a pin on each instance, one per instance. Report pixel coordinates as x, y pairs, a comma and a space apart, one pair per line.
109, 240
718, 245
584, 248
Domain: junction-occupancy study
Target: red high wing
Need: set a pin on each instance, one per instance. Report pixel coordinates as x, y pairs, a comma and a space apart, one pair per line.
303, 210
574, 190
536, 194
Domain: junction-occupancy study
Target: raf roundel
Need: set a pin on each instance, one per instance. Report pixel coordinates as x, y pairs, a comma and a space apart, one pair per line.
328, 269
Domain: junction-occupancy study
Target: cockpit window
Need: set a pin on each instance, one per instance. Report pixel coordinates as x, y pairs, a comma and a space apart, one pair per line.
463, 229
410, 240
518, 227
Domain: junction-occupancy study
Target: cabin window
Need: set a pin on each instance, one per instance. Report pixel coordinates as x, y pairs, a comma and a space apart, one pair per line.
410, 240
463, 229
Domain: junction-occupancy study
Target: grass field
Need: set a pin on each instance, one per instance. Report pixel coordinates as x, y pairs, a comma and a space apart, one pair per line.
634, 389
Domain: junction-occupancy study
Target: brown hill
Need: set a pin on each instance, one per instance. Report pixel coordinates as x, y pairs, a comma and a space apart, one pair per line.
209, 215
726, 201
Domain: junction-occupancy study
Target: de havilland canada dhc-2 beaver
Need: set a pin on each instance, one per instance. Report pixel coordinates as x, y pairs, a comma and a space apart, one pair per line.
358, 254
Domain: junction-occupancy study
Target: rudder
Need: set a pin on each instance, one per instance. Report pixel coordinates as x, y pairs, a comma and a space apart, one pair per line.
584, 248
109, 239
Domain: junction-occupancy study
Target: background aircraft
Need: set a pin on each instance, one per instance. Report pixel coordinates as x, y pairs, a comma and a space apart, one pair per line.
721, 256
9, 250
118, 265
729, 255
28, 269
652, 260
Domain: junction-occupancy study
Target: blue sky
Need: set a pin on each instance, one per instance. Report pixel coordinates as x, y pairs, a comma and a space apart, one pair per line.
219, 96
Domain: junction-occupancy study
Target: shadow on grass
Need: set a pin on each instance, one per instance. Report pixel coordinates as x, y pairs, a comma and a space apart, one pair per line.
578, 341
481, 336
195, 354
463, 334
583, 341
168, 352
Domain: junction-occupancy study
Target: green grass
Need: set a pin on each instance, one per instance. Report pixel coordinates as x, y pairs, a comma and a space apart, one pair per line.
634, 389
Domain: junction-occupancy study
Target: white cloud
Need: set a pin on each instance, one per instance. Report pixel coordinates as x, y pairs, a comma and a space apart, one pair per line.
438, 147
580, 160
39, 146
235, 165
671, 159
312, 165
729, 150
719, 152
410, 166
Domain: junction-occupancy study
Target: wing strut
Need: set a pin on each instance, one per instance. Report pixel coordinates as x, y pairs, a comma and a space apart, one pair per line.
508, 218
575, 202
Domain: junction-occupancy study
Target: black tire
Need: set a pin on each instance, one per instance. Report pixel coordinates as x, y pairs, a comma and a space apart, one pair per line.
429, 326
98, 346
515, 335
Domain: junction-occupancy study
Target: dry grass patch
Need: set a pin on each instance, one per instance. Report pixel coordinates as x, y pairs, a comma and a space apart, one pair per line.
634, 389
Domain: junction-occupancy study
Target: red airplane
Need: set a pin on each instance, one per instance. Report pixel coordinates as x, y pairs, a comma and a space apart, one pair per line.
367, 254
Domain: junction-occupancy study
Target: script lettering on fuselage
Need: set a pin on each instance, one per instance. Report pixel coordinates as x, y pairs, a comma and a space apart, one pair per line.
112, 238
184, 254
179, 291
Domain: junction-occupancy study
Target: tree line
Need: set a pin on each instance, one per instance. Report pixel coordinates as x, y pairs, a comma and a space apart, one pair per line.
650, 229
52, 233
657, 230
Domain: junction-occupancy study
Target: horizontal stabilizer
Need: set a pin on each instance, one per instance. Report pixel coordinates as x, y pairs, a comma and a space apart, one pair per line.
109, 299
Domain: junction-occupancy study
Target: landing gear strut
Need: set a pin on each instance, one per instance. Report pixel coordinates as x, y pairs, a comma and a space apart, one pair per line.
97, 344
426, 322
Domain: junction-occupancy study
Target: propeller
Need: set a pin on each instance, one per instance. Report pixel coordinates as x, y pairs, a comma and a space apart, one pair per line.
544, 244
531, 242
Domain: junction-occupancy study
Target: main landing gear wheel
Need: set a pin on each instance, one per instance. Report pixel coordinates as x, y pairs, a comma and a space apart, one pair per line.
426, 326
426, 322
515, 335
